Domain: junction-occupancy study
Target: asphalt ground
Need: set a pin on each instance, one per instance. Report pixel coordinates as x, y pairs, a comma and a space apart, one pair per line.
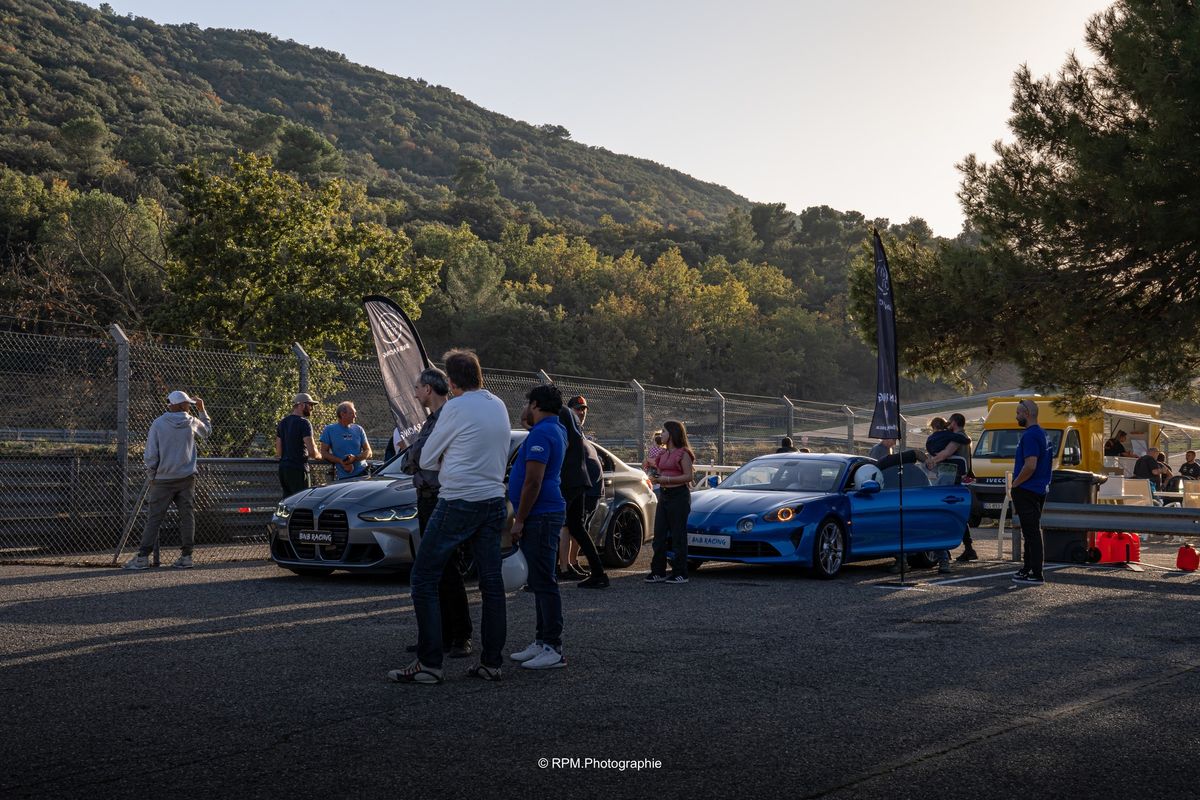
247, 682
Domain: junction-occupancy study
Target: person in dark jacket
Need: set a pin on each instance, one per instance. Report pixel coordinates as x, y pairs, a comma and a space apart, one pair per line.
575, 483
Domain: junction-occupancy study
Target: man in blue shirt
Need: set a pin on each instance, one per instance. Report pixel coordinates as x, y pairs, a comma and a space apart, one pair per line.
534, 489
1031, 481
345, 444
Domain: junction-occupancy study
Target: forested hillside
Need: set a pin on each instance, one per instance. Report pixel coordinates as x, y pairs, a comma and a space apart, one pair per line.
159, 95
230, 185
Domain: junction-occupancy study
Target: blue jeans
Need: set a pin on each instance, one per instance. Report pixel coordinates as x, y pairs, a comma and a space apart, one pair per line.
454, 522
539, 543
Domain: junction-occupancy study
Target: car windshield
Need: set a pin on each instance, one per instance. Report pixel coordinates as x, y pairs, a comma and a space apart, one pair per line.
1003, 443
787, 475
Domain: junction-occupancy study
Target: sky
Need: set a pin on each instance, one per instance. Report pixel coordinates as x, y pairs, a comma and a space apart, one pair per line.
861, 105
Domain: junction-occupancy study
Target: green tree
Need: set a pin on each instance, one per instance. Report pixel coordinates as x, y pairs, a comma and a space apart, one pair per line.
260, 256
1087, 218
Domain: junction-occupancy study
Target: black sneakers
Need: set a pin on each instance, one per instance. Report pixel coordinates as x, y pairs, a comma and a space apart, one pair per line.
594, 582
1027, 578
968, 555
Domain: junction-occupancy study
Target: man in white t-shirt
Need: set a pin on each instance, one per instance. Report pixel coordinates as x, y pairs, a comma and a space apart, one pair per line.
469, 446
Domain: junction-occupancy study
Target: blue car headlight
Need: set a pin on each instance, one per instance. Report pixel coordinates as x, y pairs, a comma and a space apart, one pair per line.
390, 514
282, 511
785, 514
745, 525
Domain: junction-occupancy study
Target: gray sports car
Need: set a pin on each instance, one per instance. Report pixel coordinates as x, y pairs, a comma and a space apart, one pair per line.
370, 524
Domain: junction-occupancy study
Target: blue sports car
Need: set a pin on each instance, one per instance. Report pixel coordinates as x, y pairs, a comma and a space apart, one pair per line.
822, 510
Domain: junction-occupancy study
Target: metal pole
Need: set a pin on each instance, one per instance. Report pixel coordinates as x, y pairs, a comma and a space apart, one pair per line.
639, 401
902, 442
303, 362
849, 429
720, 426
122, 343
791, 416
544, 377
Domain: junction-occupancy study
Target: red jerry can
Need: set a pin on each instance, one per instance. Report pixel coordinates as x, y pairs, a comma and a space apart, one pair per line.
1117, 548
1188, 559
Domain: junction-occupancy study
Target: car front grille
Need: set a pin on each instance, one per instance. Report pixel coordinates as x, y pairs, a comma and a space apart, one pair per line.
737, 549
332, 520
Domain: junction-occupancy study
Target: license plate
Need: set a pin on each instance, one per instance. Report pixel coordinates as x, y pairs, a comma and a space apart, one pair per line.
708, 540
993, 506
314, 537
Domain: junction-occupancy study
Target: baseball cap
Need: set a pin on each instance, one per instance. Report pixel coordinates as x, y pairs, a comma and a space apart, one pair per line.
304, 397
178, 397
577, 402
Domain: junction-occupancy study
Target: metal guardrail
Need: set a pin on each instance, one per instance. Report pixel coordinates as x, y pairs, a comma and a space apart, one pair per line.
1134, 519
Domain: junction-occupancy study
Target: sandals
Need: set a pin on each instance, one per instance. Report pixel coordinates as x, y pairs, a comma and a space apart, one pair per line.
484, 672
416, 672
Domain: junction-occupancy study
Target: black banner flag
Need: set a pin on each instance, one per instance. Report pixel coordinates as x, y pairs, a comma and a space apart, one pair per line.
401, 359
885, 423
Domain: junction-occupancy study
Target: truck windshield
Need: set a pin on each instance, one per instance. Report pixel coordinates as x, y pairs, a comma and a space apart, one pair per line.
1003, 443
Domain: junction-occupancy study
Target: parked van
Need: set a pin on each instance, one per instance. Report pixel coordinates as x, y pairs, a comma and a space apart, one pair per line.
1076, 441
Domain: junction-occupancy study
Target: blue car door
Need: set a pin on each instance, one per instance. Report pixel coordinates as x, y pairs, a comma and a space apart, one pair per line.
873, 521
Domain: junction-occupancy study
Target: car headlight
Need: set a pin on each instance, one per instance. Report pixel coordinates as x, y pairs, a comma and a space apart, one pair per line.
282, 511
785, 514
745, 525
391, 514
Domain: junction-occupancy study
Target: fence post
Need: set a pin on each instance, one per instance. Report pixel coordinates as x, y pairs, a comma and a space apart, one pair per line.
902, 442
640, 407
791, 416
720, 426
544, 377
122, 342
849, 429
303, 362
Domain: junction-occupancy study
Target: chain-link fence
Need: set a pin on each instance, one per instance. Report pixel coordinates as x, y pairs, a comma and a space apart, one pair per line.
75, 412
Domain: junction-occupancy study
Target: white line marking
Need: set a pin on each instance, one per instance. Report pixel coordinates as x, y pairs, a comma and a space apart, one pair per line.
991, 575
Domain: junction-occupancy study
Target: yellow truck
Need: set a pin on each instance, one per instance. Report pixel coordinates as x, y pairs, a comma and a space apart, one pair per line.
1077, 441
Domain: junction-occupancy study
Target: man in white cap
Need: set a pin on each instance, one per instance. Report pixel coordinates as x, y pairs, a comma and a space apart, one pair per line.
171, 469
294, 445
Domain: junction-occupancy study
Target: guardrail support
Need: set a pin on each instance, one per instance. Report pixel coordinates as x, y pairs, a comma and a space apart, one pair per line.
720, 426
849, 428
303, 361
640, 412
791, 416
544, 377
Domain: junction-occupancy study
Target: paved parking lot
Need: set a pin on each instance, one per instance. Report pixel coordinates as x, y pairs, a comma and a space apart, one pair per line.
245, 681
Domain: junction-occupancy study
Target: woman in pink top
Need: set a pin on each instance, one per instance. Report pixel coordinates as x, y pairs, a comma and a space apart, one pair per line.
674, 478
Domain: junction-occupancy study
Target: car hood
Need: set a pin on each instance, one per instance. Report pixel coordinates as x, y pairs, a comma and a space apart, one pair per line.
360, 494
720, 507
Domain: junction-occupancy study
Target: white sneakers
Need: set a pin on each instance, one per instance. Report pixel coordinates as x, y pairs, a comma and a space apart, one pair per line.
143, 562
549, 658
529, 652
539, 656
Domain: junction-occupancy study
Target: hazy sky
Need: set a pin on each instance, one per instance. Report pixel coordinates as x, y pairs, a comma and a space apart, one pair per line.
848, 103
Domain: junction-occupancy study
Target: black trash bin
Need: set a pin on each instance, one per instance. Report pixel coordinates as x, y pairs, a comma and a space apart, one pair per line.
1070, 486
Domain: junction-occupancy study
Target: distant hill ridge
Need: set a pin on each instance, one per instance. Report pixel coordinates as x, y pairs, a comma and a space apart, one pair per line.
168, 93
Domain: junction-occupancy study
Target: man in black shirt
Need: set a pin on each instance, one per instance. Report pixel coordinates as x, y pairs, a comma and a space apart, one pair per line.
574, 485
1148, 468
1190, 468
294, 445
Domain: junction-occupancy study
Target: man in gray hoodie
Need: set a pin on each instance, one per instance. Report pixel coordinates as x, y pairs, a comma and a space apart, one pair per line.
171, 469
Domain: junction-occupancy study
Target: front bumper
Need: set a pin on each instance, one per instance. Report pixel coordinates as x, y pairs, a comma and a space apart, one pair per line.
785, 544
355, 546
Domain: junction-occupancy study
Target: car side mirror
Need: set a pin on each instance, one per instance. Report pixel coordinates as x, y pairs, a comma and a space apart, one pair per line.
870, 487
712, 481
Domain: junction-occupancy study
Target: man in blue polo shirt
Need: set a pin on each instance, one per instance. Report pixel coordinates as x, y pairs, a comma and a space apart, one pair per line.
1032, 466
345, 444
534, 489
